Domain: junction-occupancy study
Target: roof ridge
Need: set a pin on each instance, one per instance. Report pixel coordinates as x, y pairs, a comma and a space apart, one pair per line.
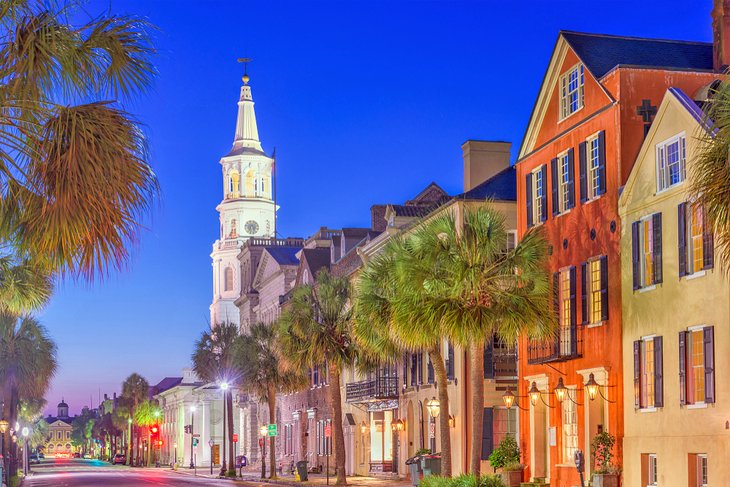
634, 38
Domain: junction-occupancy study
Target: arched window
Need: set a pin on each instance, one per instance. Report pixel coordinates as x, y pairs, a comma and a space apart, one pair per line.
250, 176
228, 279
234, 230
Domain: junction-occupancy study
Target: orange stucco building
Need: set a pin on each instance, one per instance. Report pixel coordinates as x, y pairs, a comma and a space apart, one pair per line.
591, 115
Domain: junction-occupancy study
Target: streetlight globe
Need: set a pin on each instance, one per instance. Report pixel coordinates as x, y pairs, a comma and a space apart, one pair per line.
25, 432
363, 427
560, 390
4, 425
224, 386
263, 430
129, 420
508, 398
434, 407
592, 387
193, 408
156, 414
534, 394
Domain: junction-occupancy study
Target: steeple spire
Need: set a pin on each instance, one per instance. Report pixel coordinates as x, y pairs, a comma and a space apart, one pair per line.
247, 133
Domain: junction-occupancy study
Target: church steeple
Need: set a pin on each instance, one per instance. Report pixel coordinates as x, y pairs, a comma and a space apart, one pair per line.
247, 133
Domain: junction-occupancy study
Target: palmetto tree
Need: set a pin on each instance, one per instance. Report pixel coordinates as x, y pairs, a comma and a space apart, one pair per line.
477, 289
74, 178
710, 171
135, 389
263, 372
27, 362
214, 360
385, 285
146, 414
24, 285
316, 330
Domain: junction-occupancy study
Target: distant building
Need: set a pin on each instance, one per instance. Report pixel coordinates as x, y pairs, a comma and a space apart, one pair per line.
59, 432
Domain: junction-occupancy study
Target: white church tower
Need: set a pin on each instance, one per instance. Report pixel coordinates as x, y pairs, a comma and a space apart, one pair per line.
247, 210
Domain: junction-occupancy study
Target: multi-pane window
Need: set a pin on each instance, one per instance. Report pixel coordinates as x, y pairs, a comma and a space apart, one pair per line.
594, 268
564, 177
538, 195
648, 373
696, 241
228, 279
565, 313
698, 470
593, 168
571, 91
505, 424
697, 364
647, 251
570, 427
652, 472
671, 162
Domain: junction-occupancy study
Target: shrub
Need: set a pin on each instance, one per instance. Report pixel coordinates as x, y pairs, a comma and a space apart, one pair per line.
602, 452
437, 481
506, 455
465, 480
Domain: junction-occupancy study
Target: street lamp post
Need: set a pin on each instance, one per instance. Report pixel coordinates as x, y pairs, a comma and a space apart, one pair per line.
25, 433
263, 432
224, 388
434, 408
210, 444
192, 434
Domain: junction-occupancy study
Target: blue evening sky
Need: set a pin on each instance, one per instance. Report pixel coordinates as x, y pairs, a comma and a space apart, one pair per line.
365, 101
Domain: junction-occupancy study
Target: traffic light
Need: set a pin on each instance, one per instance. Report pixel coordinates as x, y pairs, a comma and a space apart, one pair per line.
154, 430
159, 442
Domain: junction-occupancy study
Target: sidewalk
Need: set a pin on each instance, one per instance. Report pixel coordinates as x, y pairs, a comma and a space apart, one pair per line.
314, 479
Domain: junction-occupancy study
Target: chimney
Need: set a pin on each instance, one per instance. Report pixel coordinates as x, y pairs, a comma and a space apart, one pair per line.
483, 159
721, 35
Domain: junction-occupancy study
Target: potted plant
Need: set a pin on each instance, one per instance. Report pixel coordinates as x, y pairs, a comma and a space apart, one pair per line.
605, 473
506, 458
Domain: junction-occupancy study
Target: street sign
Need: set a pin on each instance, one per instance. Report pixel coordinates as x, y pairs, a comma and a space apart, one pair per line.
235, 437
195, 442
328, 431
271, 428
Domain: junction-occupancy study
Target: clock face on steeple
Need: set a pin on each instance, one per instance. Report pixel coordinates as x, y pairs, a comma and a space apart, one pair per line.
251, 227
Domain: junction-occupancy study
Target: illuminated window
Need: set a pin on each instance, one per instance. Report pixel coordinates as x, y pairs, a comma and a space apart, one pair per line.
538, 194
570, 427
647, 373
695, 236
671, 163
593, 168
696, 371
696, 241
594, 272
647, 251
566, 345
564, 182
571, 91
697, 365
504, 424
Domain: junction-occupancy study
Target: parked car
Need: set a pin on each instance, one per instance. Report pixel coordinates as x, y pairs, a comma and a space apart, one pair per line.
34, 458
77, 455
119, 458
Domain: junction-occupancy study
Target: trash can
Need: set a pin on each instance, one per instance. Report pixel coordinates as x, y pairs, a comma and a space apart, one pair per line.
414, 465
302, 470
431, 464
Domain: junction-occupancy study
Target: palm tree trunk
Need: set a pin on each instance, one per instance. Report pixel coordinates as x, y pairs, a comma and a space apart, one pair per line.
339, 435
442, 381
231, 462
477, 405
271, 399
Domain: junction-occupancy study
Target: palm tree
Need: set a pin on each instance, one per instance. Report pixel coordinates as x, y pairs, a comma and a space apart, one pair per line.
135, 389
477, 289
27, 362
24, 285
384, 286
147, 414
214, 361
316, 330
263, 372
710, 173
74, 177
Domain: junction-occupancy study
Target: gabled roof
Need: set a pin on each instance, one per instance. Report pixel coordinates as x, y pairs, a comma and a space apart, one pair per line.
502, 187
601, 53
316, 259
165, 384
284, 255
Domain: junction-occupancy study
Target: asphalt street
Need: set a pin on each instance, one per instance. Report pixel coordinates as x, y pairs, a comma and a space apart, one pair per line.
93, 473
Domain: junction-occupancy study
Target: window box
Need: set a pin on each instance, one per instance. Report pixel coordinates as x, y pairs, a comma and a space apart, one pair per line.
605, 480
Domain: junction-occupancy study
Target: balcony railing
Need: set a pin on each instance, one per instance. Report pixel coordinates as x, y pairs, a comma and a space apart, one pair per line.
372, 390
505, 363
566, 346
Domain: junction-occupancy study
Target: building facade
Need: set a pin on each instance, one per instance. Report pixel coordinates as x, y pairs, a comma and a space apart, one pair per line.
247, 209
59, 433
676, 307
593, 110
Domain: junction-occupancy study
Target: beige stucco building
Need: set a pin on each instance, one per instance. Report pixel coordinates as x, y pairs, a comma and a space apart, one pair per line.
676, 311
59, 433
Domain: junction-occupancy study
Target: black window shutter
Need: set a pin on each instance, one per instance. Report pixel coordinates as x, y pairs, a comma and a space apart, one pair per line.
584, 291
658, 372
604, 288
544, 193
571, 178
414, 369
637, 374
430, 371
405, 370
657, 232
635, 254
488, 361
528, 198
708, 243
487, 433
682, 238
573, 329
554, 186
583, 169
450, 374
601, 162
682, 367
420, 367
708, 335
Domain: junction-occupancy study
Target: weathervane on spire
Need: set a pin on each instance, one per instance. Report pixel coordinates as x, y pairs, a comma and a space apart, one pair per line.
245, 61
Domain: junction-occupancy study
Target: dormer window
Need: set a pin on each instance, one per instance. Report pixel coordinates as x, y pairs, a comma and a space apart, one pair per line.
571, 91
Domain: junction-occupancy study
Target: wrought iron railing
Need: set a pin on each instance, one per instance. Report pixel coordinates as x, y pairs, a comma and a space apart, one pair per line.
505, 362
567, 345
372, 390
